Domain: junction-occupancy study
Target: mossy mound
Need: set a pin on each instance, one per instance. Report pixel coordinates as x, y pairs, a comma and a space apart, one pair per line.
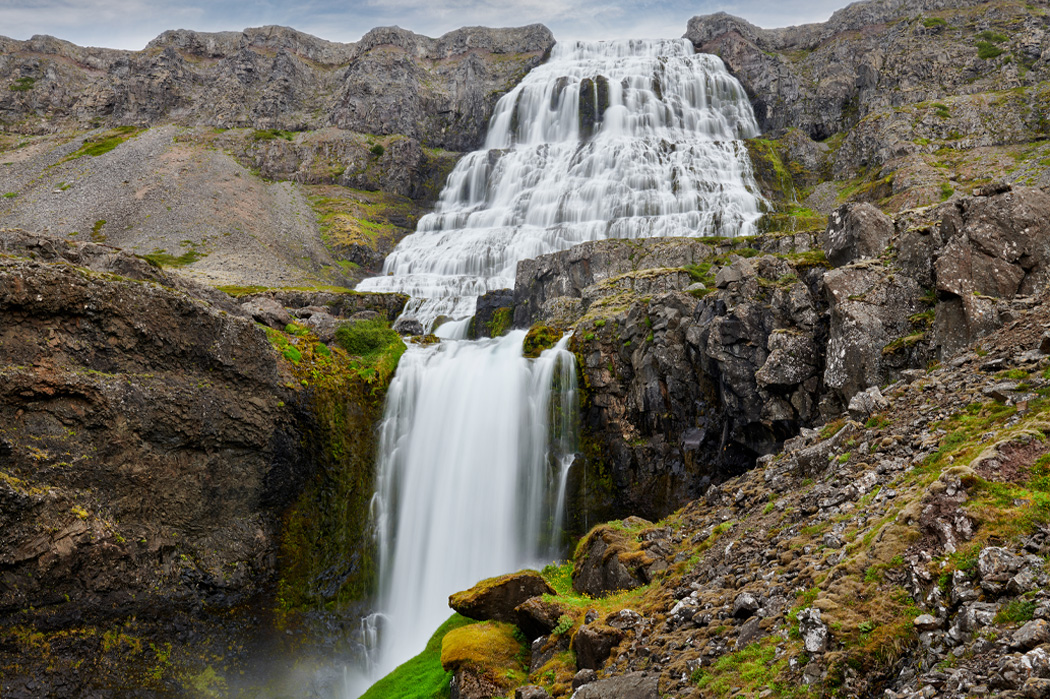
491, 656
540, 337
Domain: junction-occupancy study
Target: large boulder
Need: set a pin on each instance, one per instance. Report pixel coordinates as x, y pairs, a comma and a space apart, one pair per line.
636, 685
608, 562
497, 598
856, 231
593, 643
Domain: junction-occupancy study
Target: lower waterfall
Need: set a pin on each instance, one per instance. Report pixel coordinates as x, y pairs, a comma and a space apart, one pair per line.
626, 139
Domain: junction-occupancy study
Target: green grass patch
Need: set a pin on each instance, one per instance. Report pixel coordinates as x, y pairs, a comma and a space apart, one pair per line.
422, 677
271, 135
931, 22
22, 85
104, 142
986, 50
164, 259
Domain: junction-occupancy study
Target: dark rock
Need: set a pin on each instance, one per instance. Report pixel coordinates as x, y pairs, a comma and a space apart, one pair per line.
745, 605
494, 312
585, 676
593, 643
600, 570
408, 326
497, 598
636, 685
537, 617
531, 692
856, 231
749, 631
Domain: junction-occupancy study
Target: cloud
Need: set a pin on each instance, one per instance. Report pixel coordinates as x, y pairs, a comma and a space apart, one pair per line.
131, 24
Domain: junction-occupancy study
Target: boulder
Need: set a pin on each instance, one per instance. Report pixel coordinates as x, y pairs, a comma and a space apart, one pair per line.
867, 403
531, 691
856, 231
601, 568
636, 685
497, 598
814, 632
1034, 633
593, 643
267, 311
745, 605
537, 617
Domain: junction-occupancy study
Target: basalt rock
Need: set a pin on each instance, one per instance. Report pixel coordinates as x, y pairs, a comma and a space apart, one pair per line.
497, 599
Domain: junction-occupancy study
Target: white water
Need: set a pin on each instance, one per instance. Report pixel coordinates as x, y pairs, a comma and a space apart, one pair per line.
665, 161
477, 441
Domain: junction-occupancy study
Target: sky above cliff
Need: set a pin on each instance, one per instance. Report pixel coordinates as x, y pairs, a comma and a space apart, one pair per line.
131, 24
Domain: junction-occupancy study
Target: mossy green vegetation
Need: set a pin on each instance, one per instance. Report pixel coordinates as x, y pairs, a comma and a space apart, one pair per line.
162, 258
103, 143
492, 650
344, 393
23, 84
540, 337
422, 677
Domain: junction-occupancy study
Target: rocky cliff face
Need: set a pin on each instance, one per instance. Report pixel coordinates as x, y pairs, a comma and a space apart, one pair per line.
152, 436
896, 103
274, 78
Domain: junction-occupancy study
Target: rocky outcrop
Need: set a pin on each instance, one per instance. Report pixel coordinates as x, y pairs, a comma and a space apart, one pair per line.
276, 78
498, 598
155, 448
873, 56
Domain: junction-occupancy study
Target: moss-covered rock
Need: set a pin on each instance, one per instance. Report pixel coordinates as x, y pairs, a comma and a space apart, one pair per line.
487, 659
496, 598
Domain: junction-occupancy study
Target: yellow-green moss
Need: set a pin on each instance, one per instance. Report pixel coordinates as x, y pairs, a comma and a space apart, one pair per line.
493, 650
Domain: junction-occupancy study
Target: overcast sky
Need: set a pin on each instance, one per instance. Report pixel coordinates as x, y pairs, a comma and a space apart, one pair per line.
131, 24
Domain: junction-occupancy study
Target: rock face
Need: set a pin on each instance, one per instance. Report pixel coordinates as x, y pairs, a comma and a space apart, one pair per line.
871, 57
277, 78
150, 441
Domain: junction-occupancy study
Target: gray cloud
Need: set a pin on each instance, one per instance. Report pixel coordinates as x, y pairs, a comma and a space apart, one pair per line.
131, 24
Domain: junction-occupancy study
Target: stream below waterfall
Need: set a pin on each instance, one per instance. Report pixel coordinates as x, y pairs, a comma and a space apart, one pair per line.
626, 139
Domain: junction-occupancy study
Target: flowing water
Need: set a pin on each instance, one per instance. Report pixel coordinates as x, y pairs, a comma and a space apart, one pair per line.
626, 139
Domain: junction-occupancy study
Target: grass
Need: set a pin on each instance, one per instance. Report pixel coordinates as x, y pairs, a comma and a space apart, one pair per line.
22, 85
422, 677
986, 50
164, 259
95, 146
377, 345
931, 22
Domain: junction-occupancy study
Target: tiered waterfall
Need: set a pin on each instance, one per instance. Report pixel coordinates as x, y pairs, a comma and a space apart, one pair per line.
624, 139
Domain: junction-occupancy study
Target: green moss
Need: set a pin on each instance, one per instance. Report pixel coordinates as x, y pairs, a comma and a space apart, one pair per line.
271, 134
422, 677
493, 650
163, 259
540, 337
104, 143
986, 50
237, 291
502, 319
327, 554
931, 22
22, 85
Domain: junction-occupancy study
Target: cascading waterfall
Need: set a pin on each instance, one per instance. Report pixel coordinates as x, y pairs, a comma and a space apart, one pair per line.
606, 140
629, 139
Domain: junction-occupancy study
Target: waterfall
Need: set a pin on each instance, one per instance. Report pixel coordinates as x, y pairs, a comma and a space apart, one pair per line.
626, 139
622, 139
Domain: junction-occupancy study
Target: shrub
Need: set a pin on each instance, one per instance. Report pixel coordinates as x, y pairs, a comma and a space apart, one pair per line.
366, 338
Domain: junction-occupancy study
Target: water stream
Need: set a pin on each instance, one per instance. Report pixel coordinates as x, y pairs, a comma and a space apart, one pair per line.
624, 139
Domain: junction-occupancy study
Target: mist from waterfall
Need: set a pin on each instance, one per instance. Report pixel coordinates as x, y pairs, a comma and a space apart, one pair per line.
628, 139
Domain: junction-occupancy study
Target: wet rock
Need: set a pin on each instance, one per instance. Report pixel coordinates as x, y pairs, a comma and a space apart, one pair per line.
856, 231
497, 598
408, 326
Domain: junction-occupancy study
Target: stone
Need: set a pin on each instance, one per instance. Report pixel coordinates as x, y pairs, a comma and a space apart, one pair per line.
531, 691
585, 676
996, 564
856, 231
497, 599
268, 312
635, 685
1032, 634
593, 643
408, 326
745, 605
814, 632
867, 403
537, 617
600, 570
927, 622
749, 631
